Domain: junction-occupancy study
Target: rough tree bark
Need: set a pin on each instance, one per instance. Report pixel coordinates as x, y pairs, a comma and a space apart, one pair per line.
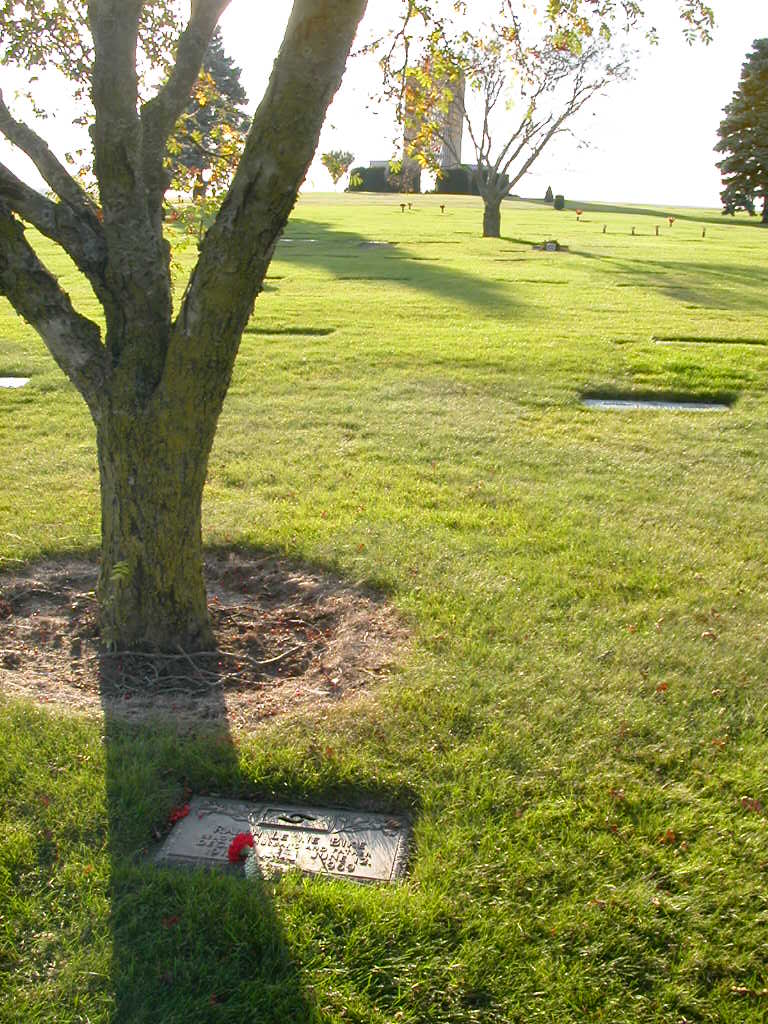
491, 216
155, 385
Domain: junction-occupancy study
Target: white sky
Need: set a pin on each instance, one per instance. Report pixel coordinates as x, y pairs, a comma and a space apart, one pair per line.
650, 139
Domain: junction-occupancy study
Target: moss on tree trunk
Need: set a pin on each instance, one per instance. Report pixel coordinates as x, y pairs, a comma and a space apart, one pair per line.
151, 587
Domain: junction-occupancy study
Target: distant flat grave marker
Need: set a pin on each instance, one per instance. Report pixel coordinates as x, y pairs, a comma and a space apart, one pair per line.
325, 841
689, 339
654, 403
13, 382
302, 332
371, 277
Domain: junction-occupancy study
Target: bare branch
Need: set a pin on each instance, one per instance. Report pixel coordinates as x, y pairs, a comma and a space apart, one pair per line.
72, 339
53, 172
58, 222
238, 247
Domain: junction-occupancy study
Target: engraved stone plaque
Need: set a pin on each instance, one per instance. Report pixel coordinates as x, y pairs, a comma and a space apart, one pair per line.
13, 382
202, 838
322, 841
341, 844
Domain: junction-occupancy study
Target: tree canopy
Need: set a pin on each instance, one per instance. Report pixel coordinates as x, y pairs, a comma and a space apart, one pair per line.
337, 162
743, 137
154, 378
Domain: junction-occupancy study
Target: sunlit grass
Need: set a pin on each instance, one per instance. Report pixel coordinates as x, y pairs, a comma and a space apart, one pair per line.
579, 730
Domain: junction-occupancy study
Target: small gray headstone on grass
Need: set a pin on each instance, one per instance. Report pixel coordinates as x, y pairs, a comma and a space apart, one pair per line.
316, 840
13, 382
652, 403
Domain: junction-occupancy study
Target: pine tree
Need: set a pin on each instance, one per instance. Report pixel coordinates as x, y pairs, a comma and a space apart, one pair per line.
212, 130
548, 196
743, 137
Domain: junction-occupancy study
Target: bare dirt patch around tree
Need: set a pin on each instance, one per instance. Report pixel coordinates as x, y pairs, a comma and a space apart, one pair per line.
287, 640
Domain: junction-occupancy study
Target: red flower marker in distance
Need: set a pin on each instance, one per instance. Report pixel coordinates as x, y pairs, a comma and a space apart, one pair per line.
238, 845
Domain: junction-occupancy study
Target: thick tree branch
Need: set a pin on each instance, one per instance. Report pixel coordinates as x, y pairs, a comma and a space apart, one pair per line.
159, 115
51, 169
138, 265
72, 339
116, 131
59, 223
280, 146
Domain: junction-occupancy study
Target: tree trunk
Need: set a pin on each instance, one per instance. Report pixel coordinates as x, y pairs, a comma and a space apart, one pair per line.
151, 587
765, 209
492, 218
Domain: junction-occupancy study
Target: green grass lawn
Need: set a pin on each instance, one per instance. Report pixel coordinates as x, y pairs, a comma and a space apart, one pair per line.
580, 728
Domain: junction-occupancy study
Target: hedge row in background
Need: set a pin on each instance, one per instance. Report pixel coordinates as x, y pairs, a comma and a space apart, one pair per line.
381, 179
459, 181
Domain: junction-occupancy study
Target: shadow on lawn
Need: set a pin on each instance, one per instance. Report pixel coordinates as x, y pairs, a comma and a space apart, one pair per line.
187, 945
708, 285
349, 256
706, 216
198, 946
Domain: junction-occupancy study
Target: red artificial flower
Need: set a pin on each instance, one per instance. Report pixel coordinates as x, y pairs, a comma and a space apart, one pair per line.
178, 813
238, 845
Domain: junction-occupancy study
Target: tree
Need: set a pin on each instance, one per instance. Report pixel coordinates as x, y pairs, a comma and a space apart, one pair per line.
337, 162
549, 195
553, 83
210, 134
743, 136
154, 382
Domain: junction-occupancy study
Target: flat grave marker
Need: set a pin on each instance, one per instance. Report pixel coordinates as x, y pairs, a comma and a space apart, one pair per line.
13, 382
683, 339
654, 403
331, 842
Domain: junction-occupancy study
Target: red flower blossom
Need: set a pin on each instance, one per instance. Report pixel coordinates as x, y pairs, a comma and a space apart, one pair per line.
178, 813
238, 845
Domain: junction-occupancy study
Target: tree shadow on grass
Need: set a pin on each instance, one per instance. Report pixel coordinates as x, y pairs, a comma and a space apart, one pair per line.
708, 285
193, 945
659, 213
187, 945
346, 254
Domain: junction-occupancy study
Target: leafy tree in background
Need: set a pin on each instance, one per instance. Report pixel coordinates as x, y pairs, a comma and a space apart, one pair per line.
337, 162
551, 85
154, 381
210, 134
743, 136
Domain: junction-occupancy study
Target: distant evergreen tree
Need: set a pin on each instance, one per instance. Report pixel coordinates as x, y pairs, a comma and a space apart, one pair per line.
212, 130
549, 196
743, 137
